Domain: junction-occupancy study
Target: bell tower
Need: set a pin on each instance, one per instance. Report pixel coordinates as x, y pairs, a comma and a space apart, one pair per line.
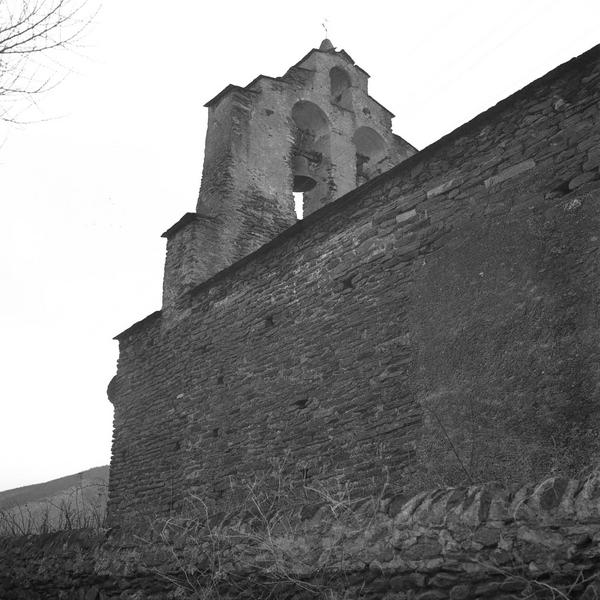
314, 131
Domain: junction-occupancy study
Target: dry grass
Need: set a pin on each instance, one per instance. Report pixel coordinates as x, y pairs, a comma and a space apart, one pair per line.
255, 537
83, 506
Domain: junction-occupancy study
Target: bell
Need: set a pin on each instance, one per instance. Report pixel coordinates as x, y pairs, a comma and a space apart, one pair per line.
303, 180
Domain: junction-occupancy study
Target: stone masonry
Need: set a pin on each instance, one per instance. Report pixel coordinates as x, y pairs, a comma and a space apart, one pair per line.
314, 131
482, 542
467, 272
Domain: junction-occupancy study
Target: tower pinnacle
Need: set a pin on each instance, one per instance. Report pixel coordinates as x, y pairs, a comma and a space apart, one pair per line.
326, 45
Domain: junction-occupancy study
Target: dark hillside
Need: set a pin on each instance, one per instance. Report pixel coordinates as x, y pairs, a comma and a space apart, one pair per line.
64, 503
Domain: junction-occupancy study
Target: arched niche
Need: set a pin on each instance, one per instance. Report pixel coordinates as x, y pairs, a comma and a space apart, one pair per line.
371, 154
311, 154
339, 86
309, 117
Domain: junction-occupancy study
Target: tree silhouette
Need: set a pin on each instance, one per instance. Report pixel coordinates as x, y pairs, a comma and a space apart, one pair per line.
33, 34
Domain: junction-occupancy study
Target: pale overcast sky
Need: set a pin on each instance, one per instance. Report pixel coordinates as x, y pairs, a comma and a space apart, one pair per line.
113, 157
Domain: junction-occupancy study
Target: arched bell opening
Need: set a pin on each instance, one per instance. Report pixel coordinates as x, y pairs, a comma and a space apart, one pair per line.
371, 154
340, 84
311, 151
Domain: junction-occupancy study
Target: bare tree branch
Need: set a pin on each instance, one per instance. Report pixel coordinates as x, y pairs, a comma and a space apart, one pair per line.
41, 29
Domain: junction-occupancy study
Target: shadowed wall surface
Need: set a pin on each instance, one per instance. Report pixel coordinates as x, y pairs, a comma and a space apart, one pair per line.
438, 322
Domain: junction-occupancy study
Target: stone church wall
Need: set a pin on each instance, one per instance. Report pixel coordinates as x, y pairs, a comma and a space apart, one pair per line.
452, 298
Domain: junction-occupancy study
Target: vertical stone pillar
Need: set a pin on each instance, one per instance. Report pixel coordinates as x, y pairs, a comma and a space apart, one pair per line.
193, 256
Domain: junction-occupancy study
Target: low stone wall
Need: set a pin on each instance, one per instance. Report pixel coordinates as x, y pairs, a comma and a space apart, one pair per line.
458, 543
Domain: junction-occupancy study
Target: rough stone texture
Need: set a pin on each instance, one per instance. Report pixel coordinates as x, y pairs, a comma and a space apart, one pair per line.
321, 110
540, 541
324, 347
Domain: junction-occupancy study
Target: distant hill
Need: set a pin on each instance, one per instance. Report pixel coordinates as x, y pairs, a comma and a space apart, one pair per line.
69, 502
